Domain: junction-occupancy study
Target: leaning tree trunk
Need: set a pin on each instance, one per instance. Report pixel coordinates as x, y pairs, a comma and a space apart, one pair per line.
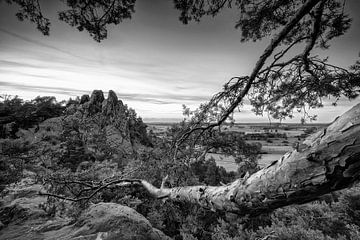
326, 161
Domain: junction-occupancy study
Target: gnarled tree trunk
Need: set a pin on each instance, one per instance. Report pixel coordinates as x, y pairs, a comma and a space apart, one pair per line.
326, 161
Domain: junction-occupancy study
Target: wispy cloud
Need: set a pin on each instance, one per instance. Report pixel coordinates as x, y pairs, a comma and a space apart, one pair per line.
162, 98
153, 98
41, 44
48, 77
43, 89
6, 63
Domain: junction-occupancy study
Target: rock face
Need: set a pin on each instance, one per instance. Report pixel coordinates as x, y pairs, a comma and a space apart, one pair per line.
84, 98
111, 105
19, 209
96, 99
97, 128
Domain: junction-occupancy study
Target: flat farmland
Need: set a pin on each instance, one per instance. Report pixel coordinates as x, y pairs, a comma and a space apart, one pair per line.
228, 162
275, 140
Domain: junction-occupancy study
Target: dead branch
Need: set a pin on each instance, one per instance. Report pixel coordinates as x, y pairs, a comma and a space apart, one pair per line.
119, 182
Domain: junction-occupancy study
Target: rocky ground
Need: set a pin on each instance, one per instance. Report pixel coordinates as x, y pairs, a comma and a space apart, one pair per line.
22, 217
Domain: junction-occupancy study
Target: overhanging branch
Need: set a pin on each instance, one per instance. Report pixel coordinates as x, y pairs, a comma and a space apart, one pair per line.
303, 10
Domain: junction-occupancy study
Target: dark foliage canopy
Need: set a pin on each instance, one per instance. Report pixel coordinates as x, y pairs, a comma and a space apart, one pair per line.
26, 114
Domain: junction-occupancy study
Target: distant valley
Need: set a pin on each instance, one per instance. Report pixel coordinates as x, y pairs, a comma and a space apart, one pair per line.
276, 139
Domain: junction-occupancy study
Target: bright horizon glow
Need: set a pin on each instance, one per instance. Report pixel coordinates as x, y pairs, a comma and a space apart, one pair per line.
153, 62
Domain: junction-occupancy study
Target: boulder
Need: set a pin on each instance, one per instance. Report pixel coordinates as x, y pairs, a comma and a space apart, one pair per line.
24, 193
20, 209
108, 221
21, 217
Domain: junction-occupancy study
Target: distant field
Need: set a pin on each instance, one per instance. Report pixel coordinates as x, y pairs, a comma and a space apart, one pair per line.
272, 148
266, 159
276, 149
229, 163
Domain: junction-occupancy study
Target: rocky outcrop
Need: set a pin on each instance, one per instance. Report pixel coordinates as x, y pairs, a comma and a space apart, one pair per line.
95, 103
98, 127
103, 221
107, 120
111, 105
84, 98
20, 209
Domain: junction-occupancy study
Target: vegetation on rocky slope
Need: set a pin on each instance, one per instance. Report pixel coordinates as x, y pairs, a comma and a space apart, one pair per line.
84, 155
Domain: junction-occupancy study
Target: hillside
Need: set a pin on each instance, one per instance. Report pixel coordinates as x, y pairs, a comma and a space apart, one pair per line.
92, 133
70, 174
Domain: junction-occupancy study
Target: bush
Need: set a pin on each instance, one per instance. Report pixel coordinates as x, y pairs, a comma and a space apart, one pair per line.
10, 171
27, 114
12, 147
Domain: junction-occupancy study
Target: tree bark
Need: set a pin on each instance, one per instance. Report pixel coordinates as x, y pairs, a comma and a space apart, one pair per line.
326, 161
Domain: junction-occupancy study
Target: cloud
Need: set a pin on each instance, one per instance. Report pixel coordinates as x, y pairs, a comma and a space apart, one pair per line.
44, 89
149, 98
6, 63
27, 74
182, 88
41, 44
45, 66
162, 98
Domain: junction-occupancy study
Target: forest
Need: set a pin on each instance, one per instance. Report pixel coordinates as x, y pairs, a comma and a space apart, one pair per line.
90, 168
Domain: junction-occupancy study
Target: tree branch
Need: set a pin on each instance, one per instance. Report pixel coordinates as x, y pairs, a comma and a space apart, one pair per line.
119, 182
326, 161
314, 36
304, 10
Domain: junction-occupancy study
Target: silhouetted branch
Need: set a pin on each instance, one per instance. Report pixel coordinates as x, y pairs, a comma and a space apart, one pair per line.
248, 81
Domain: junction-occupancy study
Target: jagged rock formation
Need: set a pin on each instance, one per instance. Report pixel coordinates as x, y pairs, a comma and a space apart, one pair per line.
110, 120
84, 98
95, 129
95, 103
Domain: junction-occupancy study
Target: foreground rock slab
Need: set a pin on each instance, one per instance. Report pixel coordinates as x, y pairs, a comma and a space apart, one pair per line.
21, 217
108, 221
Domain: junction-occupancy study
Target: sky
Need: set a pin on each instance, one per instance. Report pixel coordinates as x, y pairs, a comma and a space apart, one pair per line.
153, 62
